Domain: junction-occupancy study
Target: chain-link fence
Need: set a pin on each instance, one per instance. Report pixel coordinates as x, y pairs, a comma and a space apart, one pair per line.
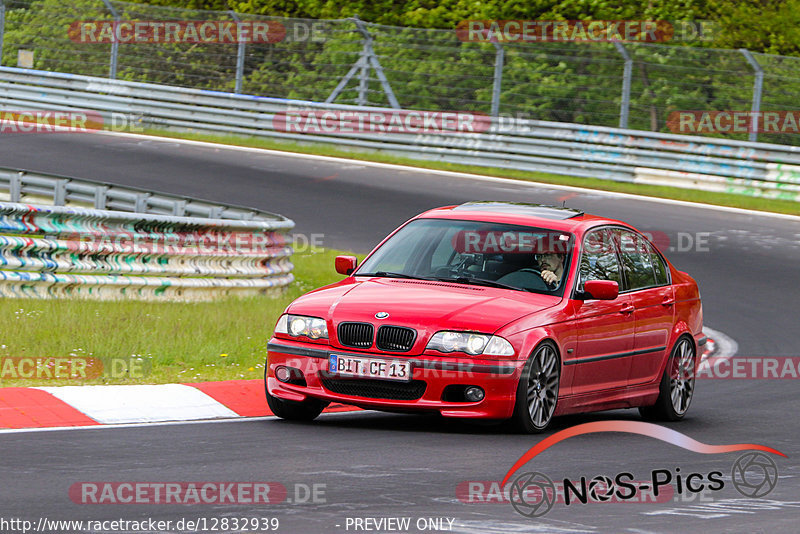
634, 85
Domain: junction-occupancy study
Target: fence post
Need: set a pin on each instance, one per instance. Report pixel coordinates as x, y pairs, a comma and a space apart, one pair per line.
372, 60
363, 80
499, 60
343, 82
758, 85
239, 56
625, 105
112, 69
366, 59
2, 27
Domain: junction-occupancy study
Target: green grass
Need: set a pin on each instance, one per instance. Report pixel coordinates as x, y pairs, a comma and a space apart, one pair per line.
175, 342
689, 195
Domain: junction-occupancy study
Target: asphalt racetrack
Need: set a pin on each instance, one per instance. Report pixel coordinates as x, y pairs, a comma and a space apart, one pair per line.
376, 465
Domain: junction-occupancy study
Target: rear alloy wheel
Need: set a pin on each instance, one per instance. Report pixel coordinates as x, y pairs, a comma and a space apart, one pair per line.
677, 385
537, 392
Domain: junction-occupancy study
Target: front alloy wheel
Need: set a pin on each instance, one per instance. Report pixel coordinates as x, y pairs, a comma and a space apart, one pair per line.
537, 392
677, 385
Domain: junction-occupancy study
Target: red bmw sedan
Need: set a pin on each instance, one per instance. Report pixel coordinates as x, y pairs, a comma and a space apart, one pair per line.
495, 310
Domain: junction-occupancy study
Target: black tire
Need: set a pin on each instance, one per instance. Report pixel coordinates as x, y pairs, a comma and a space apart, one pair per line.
307, 410
676, 389
537, 391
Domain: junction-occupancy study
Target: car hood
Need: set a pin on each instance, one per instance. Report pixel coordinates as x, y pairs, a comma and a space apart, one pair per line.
425, 306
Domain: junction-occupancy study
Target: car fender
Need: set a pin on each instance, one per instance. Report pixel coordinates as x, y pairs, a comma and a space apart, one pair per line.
680, 329
527, 340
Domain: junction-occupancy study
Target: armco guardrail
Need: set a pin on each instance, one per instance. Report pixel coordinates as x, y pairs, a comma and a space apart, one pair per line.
713, 164
80, 252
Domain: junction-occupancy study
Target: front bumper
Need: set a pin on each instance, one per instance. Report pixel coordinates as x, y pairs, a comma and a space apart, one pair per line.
432, 374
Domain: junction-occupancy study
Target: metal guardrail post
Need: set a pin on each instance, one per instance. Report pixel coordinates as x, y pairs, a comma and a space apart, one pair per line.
100, 197
140, 206
60, 193
758, 86
499, 60
239, 56
627, 73
112, 68
2, 27
179, 208
15, 186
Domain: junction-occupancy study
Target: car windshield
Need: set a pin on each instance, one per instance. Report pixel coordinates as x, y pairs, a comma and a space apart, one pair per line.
520, 258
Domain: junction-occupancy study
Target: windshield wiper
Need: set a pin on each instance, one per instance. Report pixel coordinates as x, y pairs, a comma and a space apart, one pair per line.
389, 274
482, 282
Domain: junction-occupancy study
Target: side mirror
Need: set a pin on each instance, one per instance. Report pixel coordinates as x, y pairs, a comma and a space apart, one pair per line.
346, 264
601, 289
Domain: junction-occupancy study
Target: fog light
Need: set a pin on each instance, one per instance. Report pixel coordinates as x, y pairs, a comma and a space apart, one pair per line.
282, 373
474, 394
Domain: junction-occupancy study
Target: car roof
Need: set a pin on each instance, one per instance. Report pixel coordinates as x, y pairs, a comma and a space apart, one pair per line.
526, 214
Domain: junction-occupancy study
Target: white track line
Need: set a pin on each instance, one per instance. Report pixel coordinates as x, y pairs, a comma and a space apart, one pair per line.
141, 403
726, 348
237, 419
454, 174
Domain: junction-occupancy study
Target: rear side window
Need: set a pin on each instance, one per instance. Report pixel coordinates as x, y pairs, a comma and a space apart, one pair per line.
599, 258
641, 264
660, 266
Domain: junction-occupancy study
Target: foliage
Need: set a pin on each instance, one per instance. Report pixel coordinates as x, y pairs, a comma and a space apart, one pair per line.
428, 67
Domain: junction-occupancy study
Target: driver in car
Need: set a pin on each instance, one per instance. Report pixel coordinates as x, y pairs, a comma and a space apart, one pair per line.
551, 265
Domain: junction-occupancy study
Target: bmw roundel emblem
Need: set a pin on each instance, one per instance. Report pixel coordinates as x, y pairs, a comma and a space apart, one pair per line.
381, 315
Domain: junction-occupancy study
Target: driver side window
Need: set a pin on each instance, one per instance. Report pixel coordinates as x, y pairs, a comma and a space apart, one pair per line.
599, 258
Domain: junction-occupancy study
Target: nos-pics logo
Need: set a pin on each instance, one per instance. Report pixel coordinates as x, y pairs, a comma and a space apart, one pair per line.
533, 494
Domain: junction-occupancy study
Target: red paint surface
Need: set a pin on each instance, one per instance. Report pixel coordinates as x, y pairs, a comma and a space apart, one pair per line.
34, 408
247, 398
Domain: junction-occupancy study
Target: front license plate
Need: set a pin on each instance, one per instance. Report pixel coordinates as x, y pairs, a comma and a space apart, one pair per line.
370, 367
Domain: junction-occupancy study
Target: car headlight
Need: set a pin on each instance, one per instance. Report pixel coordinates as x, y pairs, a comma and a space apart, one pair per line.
470, 343
300, 325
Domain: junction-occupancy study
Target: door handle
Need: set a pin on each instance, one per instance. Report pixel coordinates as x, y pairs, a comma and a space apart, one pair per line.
628, 308
668, 301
